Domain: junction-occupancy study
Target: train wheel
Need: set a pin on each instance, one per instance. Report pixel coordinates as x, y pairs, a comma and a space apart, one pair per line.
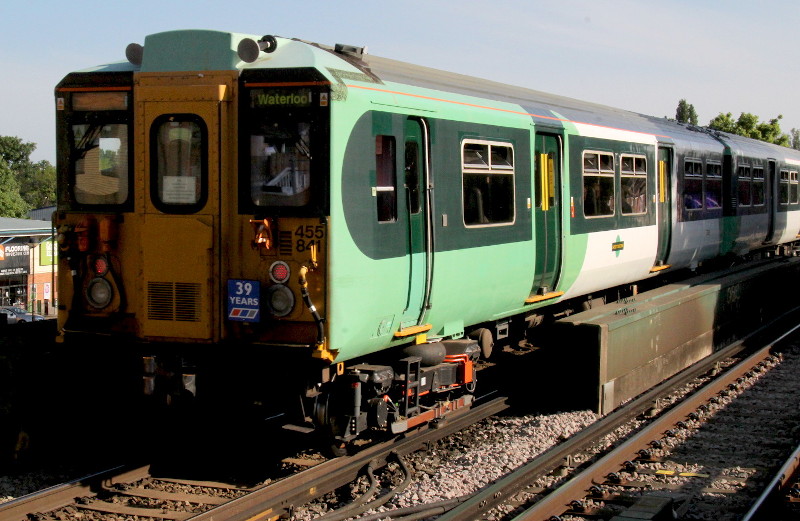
327, 426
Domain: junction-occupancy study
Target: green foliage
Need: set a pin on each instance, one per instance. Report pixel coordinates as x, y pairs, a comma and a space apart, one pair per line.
11, 202
23, 184
748, 125
38, 184
14, 152
685, 113
795, 139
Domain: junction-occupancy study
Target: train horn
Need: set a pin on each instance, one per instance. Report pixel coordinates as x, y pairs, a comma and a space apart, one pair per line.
249, 49
134, 52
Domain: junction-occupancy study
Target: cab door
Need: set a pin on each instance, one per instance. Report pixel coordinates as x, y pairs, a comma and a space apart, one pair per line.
180, 119
415, 213
546, 215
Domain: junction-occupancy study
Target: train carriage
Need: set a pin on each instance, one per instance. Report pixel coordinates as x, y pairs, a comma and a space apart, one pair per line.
365, 228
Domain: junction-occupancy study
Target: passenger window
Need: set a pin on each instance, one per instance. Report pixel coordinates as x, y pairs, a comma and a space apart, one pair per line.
692, 184
793, 187
633, 182
178, 162
758, 186
598, 184
386, 178
713, 189
783, 195
744, 184
487, 170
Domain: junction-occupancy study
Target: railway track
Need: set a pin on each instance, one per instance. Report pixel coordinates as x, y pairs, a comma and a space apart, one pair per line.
137, 492
646, 475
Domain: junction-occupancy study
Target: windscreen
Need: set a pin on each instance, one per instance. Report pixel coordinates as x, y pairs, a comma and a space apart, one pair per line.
285, 145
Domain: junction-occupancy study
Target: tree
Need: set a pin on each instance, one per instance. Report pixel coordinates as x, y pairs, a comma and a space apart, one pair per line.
748, 125
38, 184
14, 152
35, 183
795, 139
723, 123
685, 113
11, 202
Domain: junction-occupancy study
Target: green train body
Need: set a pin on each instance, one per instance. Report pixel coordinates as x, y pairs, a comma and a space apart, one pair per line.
379, 221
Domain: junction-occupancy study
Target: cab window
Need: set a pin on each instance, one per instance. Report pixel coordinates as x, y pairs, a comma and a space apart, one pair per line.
283, 126
99, 147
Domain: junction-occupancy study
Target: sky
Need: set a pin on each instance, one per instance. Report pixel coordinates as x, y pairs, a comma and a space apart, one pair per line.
640, 55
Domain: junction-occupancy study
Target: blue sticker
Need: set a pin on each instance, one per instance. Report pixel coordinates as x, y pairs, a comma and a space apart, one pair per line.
244, 297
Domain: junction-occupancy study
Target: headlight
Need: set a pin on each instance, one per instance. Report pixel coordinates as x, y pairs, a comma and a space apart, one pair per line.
99, 293
280, 300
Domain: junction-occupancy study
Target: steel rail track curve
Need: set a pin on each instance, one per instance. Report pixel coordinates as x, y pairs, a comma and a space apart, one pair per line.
265, 501
554, 503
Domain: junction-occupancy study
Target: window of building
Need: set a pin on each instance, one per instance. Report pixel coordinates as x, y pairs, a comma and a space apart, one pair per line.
713, 186
488, 182
598, 184
386, 177
744, 185
692, 184
633, 183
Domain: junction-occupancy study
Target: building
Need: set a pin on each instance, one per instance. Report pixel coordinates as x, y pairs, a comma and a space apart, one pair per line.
28, 264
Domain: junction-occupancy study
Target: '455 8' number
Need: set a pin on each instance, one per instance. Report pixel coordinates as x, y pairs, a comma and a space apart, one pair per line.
308, 236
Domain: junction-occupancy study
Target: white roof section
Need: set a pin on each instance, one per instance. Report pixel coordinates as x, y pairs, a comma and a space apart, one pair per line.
10, 227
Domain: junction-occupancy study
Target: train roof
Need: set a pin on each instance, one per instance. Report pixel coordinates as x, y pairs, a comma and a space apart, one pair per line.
218, 50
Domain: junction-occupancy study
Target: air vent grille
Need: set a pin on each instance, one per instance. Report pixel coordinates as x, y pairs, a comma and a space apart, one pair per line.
175, 301
285, 243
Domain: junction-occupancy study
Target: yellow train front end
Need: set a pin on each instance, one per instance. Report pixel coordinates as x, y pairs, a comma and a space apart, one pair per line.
146, 201
162, 250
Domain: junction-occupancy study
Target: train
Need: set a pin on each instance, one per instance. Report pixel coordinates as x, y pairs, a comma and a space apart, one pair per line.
365, 230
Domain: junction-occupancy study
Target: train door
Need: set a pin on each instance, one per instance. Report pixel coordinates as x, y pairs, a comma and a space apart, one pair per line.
663, 209
546, 216
415, 172
181, 189
771, 200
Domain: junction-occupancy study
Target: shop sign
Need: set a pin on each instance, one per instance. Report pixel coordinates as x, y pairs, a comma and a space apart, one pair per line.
47, 253
15, 259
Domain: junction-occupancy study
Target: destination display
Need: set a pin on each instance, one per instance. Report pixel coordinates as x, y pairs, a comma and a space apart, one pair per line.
281, 98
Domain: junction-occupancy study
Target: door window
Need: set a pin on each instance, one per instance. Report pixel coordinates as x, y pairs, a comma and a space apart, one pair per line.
386, 177
178, 163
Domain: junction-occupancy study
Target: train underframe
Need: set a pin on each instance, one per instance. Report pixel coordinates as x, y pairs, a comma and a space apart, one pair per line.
391, 393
